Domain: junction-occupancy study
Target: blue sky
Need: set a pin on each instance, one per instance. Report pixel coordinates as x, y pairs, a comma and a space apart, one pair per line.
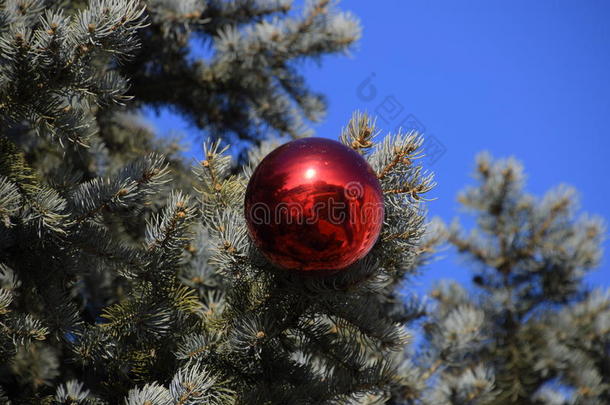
519, 78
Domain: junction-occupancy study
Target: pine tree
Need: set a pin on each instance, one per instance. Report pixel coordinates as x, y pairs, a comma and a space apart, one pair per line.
126, 276
117, 287
531, 332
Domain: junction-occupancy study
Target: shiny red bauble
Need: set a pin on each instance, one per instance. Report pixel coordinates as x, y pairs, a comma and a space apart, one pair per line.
314, 204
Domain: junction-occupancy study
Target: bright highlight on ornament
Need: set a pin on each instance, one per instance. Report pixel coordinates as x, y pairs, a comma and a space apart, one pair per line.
310, 173
314, 204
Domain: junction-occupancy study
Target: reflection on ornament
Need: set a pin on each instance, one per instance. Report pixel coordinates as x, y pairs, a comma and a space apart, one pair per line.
314, 204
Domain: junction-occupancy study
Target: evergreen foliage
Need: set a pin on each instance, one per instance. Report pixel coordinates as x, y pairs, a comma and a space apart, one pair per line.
532, 332
127, 276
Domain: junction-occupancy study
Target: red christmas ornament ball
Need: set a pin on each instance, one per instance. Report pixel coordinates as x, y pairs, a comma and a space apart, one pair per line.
314, 204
